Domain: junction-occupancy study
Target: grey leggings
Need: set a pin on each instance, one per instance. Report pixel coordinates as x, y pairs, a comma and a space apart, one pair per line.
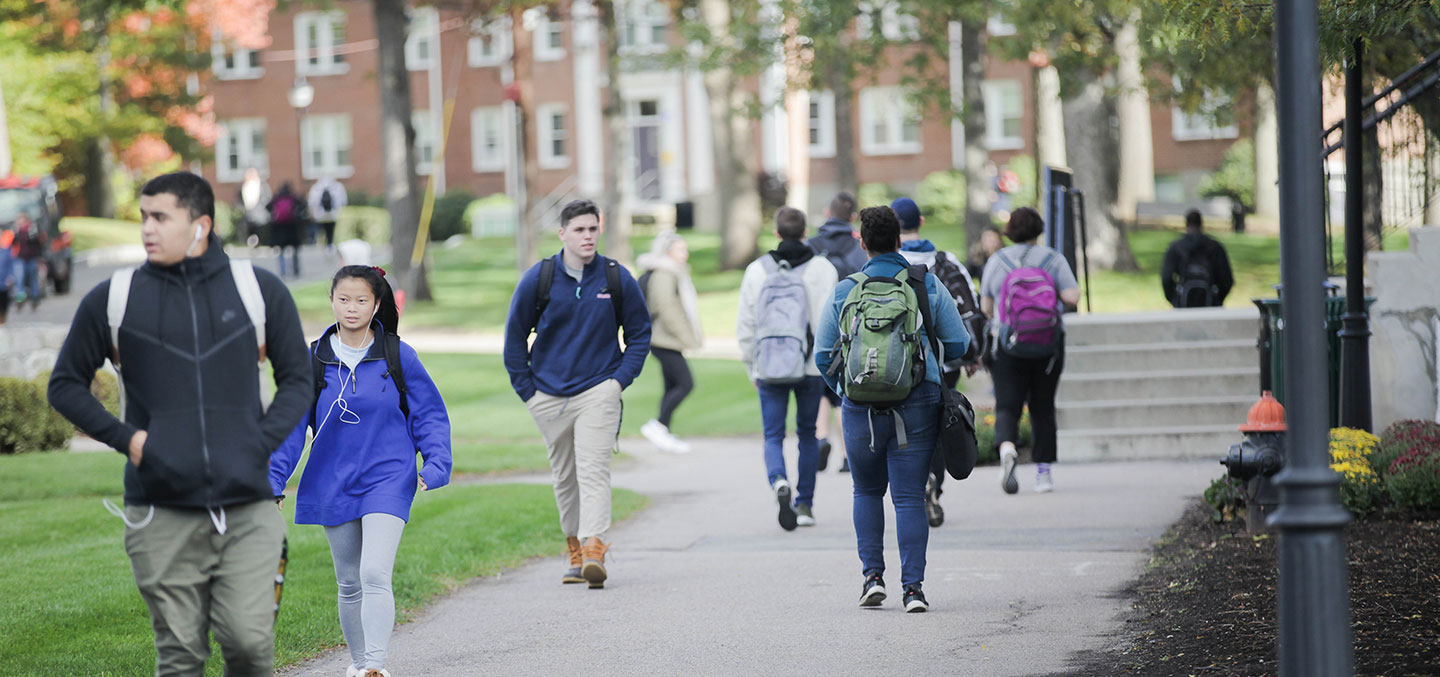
364, 555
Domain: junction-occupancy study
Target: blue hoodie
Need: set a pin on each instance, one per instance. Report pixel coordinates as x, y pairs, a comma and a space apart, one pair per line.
366, 467
954, 339
576, 343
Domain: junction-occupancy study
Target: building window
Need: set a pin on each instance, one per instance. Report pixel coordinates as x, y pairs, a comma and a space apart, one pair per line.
487, 139
234, 63
894, 26
317, 35
889, 124
554, 136
425, 135
1213, 119
549, 39
1003, 108
325, 143
240, 146
489, 43
421, 37
642, 26
822, 124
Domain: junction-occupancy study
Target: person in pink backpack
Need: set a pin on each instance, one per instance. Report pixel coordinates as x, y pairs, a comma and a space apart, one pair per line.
1023, 290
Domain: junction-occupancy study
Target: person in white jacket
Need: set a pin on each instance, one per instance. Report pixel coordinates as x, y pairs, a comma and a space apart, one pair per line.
776, 326
327, 197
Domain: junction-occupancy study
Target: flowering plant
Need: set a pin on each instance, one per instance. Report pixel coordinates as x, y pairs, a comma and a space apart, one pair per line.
1350, 454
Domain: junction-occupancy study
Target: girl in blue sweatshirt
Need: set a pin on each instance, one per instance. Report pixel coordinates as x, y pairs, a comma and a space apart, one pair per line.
361, 476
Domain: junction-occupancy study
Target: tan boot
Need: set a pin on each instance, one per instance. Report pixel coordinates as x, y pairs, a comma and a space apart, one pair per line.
572, 575
594, 567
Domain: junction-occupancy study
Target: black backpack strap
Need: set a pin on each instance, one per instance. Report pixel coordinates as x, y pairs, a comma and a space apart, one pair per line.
542, 287
396, 371
616, 289
317, 371
916, 278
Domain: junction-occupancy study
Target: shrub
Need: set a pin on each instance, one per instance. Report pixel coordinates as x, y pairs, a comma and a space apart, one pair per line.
1225, 498
105, 388
448, 217
1400, 438
371, 224
1235, 178
985, 434
876, 194
27, 423
1361, 490
941, 196
1414, 479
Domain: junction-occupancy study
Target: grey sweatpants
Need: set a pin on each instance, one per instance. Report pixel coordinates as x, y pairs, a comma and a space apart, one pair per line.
364, 554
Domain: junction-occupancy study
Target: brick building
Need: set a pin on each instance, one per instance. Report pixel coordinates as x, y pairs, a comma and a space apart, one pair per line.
666, 111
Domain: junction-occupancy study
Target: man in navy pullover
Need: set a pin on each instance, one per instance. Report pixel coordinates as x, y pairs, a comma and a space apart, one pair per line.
571, 376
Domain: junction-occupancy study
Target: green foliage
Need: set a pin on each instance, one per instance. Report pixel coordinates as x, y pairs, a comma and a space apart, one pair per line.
941, 197
985, 434
872, 194
27, 423
1026, 195
371, 224
1401, 437
1226, 500
448, 219
1414, 479
1235, 178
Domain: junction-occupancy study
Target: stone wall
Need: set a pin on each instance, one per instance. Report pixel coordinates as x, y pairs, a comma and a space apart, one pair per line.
27, 351
1405, 321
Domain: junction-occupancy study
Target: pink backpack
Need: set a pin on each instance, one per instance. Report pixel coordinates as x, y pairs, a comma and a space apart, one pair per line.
1028, 310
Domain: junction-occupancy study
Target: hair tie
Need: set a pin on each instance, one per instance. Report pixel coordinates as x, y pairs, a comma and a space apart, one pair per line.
379, 270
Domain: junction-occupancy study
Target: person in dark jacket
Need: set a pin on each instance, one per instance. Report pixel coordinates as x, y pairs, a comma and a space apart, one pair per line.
203, 535
288, 216
30, 244
1196, 271
571, 377
360, 478
838, 241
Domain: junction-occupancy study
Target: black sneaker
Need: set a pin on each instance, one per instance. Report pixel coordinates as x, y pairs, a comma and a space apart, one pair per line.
844, 465
915, 600
874, 591
824, 454
787, 512
933, 512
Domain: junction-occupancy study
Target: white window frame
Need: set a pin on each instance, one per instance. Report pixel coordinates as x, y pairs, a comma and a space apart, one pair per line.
1200, 125
422, 28
545, 30
482, 160
326, 23
638, 21
823, 122
547, 135
425, 137
890, 104
500, 40
243, 69
333, 133
894, 26
994, 93
248, 155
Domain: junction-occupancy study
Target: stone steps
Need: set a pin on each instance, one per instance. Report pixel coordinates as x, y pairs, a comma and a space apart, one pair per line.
1155, 413
1170, 442
1136, 385
1223, 354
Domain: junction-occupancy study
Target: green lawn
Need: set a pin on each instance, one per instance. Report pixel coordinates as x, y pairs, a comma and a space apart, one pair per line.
93, 233
69, 583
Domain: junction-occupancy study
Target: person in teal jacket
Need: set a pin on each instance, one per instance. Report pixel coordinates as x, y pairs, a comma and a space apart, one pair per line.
360, 479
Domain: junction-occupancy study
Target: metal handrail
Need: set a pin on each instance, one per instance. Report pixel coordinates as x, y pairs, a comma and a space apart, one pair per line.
1400, 81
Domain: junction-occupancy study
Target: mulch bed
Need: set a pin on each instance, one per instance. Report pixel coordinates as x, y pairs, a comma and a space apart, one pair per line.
1206, 603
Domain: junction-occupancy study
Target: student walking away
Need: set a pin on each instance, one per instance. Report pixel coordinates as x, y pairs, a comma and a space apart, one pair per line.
185, 330
570, 378
839, 243
919, 251
254, 200
1022, 290
327, 197
981, 251
287, 214
1196, 271
360, 478
7, 272
781, 298
29, 254
675, 328
875, 326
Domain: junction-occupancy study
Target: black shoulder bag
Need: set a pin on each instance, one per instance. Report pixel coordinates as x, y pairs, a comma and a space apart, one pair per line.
955, 432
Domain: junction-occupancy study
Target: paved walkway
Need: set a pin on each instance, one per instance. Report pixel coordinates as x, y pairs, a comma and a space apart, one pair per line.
705, 582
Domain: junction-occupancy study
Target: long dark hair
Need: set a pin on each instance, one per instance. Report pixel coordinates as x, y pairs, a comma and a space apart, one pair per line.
387, 313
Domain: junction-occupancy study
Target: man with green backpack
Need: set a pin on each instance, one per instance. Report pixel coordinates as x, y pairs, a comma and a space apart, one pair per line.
873, 348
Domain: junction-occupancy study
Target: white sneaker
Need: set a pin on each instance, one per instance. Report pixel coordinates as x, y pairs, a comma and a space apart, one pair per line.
1008, 457
352, 671
657, 433
676, 445
1043, 482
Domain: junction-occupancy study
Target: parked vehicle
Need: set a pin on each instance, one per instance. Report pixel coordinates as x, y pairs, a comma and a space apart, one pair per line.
39, 197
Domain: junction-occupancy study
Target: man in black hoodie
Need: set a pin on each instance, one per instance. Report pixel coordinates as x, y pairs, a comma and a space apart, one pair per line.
203, 536
1196, 271
839, 243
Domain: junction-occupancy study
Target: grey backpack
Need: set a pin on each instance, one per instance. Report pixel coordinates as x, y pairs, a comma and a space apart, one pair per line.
783, 337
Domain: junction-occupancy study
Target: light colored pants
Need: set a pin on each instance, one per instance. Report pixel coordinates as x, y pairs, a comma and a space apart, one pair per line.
580, 432
194, 579
364, 554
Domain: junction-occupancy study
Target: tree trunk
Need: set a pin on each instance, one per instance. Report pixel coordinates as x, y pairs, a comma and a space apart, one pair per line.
1137, 151
523, 61
100, 161
1092, 148
735, 174
977, 178
1374, 191
397, 144
838, 75
1267, 153
5, 158
617, 161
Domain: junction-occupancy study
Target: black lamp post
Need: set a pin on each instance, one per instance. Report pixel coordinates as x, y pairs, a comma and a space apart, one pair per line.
1313, 600
1355, 323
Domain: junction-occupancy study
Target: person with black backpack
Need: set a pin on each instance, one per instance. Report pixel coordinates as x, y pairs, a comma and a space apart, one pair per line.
883, 336
781, 298
360, 478
327, 197
1024, 290
838, 242
951, 272
1196, 272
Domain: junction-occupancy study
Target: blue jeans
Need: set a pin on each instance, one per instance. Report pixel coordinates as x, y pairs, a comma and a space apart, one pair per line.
30, 279
904, 470
774, 406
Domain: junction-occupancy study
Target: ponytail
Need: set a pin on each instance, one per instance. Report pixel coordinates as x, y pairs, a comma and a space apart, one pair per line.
386, 311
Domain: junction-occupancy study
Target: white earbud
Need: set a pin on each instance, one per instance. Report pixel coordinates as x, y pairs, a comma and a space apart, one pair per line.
199, 231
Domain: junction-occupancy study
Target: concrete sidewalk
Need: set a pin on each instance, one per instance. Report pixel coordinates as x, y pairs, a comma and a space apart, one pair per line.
704, 581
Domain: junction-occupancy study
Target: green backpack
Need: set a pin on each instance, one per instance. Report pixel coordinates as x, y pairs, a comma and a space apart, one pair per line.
880, 350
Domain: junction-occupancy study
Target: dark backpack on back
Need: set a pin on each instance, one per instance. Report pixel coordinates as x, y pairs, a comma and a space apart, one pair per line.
838, 256
326, 201
1196, 288
950, 274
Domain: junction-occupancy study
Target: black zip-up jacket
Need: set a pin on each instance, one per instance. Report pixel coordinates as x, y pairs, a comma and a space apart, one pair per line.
189, 358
